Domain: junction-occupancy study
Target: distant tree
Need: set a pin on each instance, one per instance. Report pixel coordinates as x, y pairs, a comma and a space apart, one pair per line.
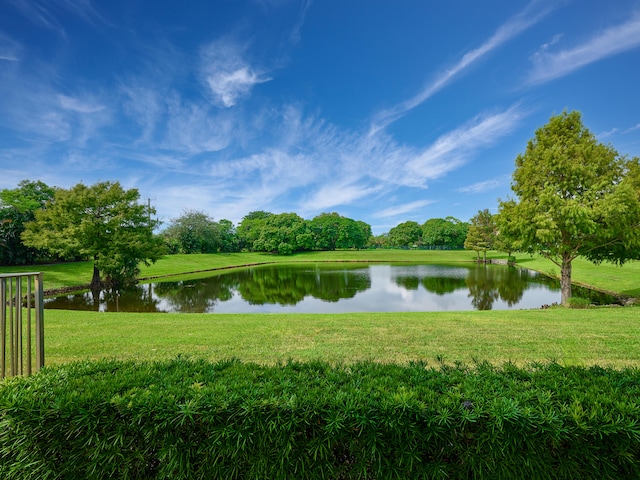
17, 207
326, 229
331, 231
574, 197
481, 233
228, 237
104, 223
193, 232
379, 241
283, 233
475, 241
444, 232
249, 228
366, 235
405, 234
352, 234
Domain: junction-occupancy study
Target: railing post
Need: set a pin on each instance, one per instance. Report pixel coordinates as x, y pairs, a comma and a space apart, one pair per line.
29, 345
12, 335
39, 279
3, 327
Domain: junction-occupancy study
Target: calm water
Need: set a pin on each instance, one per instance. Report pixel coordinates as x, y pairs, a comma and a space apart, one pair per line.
329, 288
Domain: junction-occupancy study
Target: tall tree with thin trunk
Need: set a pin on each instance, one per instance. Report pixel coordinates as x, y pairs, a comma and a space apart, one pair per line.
481, 233
574, 197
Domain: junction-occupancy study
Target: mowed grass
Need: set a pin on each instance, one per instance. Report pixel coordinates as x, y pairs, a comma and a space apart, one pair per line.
623, 280
604, 336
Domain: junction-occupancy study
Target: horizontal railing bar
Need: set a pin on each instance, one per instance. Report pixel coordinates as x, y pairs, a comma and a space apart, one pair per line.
21, 274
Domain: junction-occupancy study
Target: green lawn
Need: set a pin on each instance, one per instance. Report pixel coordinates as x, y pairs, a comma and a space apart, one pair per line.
604, 336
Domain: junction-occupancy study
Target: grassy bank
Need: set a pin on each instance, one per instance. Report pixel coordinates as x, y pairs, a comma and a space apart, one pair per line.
603, 336
623, 280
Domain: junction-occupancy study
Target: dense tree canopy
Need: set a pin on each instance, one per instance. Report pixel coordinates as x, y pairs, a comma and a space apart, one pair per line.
197, 232
288, 232
104, 223
331, 231
574, 197
444, 232
283, 233
405, 234
249, 229
17, 207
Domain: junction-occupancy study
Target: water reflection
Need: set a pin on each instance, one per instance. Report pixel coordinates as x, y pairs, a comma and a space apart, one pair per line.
334, 288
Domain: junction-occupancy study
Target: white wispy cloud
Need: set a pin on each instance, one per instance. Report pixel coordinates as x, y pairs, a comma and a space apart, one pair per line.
614, 40
628, 130
331, 195
79, 105
532, 14
145, 105
9, 48
227, 74
294, 36
46, 13
194, 128
455, 148
486, 185
402, 209
607, 133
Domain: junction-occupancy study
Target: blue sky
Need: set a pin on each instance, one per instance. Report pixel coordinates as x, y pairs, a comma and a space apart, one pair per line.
382, 111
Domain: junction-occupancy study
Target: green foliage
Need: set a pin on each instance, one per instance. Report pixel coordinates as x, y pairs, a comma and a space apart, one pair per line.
283, 233
287, 233
481, 234
197, 232
17, 207
249, 229
405, 234
104, 223
184, 419
331, 231
444, 232
575, 197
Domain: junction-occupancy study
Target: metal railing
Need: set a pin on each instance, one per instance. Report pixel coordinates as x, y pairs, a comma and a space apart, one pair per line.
21, 323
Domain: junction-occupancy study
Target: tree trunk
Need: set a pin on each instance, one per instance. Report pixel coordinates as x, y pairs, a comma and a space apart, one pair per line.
96, 283
565, 279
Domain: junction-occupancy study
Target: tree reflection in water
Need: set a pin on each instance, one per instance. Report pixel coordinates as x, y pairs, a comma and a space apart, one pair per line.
332, 288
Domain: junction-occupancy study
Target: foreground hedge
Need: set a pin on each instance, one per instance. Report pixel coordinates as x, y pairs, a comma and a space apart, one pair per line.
185, 419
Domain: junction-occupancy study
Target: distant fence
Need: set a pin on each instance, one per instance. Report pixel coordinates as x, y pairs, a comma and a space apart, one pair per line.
21, 323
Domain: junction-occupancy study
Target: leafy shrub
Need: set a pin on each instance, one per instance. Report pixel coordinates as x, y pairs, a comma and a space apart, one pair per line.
511, 259
184, 419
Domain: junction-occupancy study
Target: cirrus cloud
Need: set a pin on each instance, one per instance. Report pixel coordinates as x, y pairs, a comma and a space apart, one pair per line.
227, 74
614, 40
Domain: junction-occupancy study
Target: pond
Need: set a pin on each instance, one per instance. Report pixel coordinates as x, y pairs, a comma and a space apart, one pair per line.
337, 288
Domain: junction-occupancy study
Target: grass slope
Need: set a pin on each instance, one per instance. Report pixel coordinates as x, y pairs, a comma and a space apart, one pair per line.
603, 336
